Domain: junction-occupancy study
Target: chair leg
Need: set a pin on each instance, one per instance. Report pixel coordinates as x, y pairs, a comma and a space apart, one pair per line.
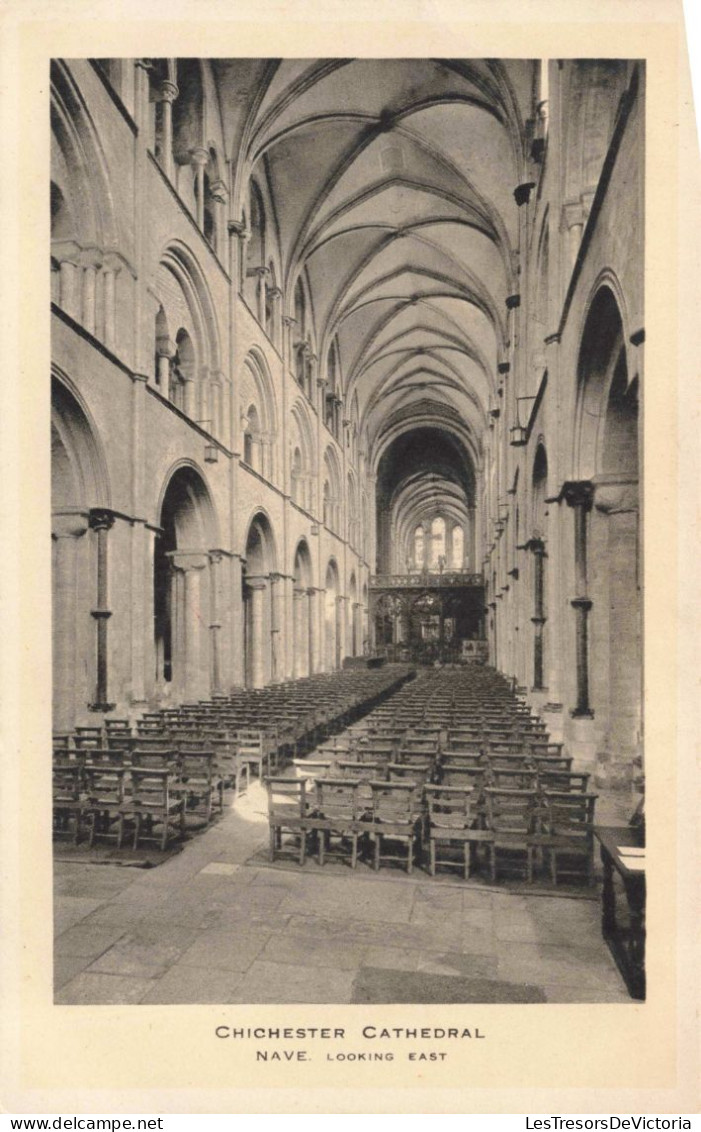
354, 849
137, 830
273, 839
529, 865
410, 855
376, 863
321, 835
302, 845
466, 848
432, 856
493, 862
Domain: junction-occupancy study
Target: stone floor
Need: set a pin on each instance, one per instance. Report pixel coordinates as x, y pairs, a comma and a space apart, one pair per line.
216, 923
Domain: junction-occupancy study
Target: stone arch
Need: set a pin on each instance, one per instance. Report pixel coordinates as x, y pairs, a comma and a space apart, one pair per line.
602, 350
332, 617
184, 636
260, 603
332, 497
80, 496
301, 441
256, 390
182, 303
84, 232
609, 550
303, 611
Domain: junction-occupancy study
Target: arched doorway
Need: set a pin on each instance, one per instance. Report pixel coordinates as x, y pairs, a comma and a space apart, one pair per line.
259, 605
79, 526
184, 625
303, 617
332, 618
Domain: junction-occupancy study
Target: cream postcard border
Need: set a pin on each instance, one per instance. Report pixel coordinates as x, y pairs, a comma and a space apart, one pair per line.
579, 1058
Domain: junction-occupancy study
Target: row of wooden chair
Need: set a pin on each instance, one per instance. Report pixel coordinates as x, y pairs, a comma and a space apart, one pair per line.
512, 825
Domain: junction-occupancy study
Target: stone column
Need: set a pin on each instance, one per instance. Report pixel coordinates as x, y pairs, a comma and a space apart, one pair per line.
276, 659
198, 160
165, 352
579, 497
257, 587
90, 261
67, 252
215, 558
219, 195
537, 546
573, 219
236, 626
275, 296
618, 502
188, 621
101, 522
167, 95
67, 529
110, 270
300, 634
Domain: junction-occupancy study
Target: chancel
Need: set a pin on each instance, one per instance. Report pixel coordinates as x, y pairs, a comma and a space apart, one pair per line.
347, 358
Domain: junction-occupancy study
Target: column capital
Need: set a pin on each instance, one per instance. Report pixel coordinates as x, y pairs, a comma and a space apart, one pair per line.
616, 496
166, 347
218, 191
237, 228
198, 155
101, 519
186, 560
522, 193
577, 493
513, 301
288, 320
69, 524
168, 91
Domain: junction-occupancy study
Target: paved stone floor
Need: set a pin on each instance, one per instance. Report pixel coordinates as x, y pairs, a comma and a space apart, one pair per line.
216, 924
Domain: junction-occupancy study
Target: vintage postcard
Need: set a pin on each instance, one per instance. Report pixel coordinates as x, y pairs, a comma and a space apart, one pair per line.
347, 765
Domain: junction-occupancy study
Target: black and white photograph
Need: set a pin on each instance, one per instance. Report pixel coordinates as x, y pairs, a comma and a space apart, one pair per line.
346, 498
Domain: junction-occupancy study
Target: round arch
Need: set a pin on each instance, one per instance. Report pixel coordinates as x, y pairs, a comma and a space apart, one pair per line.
332, 617
260, 607
186, 660
303, 611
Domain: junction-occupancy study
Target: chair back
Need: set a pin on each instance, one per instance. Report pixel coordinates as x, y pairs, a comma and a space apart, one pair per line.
104, 784
394, 802
563, 781
67, 782
569, 813
450, 807
150, 788
287, 797
337, 799
510, 811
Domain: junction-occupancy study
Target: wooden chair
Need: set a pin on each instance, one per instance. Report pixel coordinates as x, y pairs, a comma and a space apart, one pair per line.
104, 799
453, 818
563, 781
288, 812
569, 834
511, 820
67, 798
415, 771
395, 817
199, 783
152, 803
339, 814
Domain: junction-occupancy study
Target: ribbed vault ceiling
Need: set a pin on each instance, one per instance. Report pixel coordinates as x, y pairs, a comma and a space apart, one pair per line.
392, 183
